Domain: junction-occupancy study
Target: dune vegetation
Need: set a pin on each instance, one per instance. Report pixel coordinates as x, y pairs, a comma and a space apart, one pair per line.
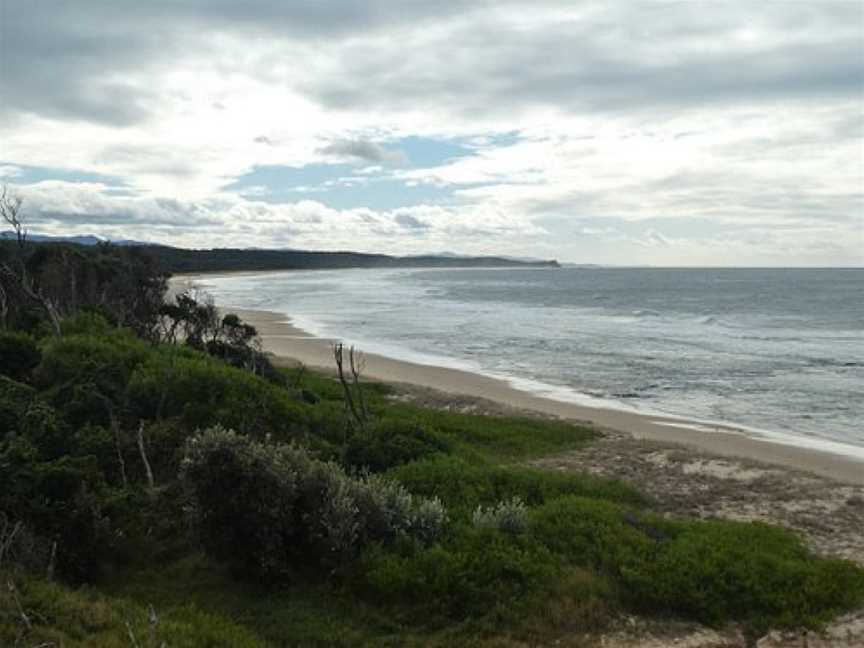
161, 481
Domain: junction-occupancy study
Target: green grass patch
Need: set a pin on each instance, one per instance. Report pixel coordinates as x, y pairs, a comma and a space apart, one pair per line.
84, 618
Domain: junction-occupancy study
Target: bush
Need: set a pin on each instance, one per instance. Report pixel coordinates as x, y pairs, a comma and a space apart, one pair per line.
267, 509
15, 398
20, 549
205, 392
245, 494
108, 358
708, 571
84, 618
713, 571
510, 516
390, 443
473, 574
87, 322
463, 484
596, 534
18, 355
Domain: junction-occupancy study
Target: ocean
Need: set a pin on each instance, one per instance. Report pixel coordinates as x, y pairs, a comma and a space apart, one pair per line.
776, 352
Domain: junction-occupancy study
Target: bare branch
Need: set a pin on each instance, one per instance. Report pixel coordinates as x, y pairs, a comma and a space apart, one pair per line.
145, 461
13, 592
358, 362
10, 206
339, 357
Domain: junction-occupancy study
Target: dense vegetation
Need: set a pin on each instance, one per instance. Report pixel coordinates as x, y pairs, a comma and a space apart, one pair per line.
155, 483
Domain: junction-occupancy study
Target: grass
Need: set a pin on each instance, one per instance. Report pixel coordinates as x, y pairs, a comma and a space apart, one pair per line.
60, 616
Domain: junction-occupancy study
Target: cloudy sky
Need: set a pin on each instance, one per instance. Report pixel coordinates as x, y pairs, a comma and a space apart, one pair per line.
637, 132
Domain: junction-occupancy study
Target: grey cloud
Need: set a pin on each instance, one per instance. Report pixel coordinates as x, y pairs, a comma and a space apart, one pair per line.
63, 64
94, 61
363, 150
410, 222
566, 69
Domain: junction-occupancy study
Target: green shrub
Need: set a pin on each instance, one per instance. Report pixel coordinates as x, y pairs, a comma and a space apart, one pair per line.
463, 484
510, 516
472, 574
19, 354
15, 398
597, 534
85, 375
715, 571
204, 392
268, 509
707, 571
82, 618
246, 494
44, 428
87, 322
388, 443
20, 549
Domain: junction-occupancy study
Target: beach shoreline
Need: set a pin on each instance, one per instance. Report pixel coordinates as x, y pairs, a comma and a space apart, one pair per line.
291, 345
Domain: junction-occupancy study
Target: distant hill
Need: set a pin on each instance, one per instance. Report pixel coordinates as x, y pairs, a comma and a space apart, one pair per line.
177, 260
86, 239
223, 260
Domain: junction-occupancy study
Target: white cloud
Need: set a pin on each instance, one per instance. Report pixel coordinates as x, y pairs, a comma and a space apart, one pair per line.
55, 207
739, 115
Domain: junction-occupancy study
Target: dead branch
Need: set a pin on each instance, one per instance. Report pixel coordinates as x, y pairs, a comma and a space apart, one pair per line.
13, 592
10, 208
339, 356
52, 559
153, 622
357, 362
142, 450
132, 636
7, 537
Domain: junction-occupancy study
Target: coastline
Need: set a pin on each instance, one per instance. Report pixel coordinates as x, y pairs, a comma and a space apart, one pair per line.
290, 345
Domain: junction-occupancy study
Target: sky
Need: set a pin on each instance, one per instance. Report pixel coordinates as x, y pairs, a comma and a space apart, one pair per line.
614, 132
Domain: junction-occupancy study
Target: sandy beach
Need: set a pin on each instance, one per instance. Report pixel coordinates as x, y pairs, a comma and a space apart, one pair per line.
290, 344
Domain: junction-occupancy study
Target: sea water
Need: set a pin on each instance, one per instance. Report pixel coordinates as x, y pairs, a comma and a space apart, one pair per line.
774, 350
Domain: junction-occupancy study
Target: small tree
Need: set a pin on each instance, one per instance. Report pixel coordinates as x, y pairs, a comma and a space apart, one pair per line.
13, 273
355, 403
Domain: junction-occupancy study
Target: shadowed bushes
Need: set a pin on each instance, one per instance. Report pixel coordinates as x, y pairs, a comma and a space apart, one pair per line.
270, 509
19, 354
389, 443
